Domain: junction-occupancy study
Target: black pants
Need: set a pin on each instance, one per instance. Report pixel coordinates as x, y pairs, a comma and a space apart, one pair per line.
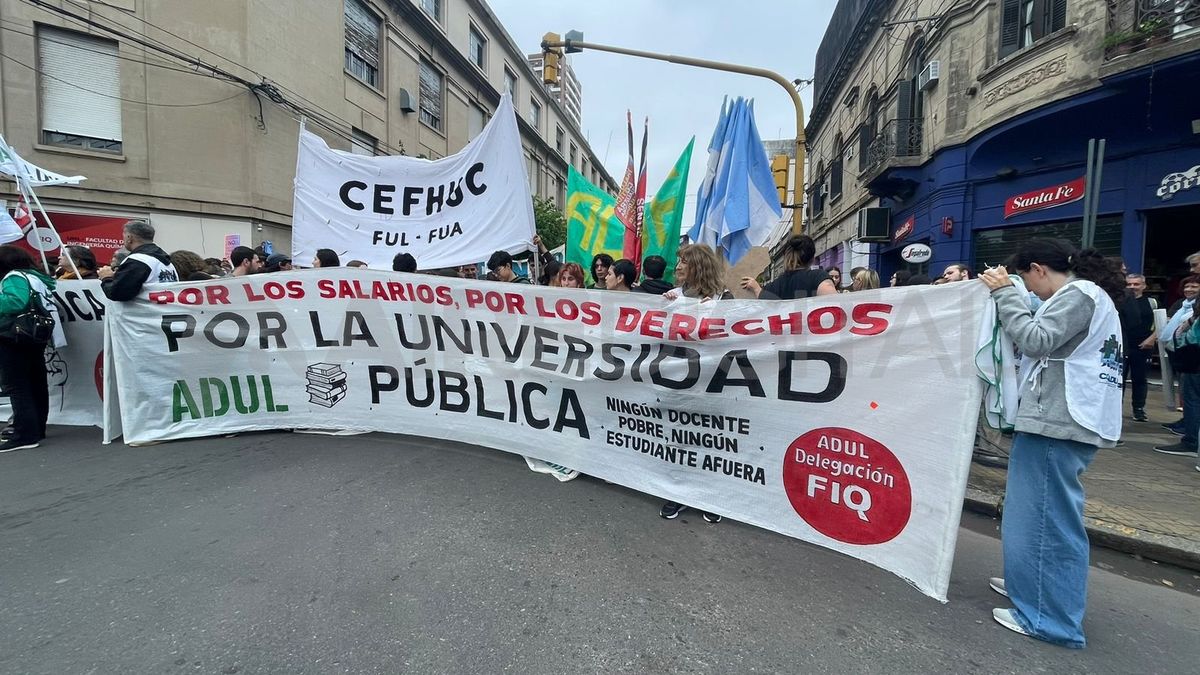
1135, 371
23, 373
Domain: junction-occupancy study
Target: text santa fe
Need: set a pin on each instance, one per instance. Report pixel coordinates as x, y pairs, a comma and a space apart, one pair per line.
1045, 198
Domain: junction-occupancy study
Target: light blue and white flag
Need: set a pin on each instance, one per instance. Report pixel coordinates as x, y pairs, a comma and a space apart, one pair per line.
737, 204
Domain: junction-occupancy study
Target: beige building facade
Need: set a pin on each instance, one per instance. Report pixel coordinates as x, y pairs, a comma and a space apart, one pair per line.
187, 113
942, 112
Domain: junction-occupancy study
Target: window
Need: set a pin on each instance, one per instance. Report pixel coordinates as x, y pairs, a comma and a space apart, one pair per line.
433, 8
476, 120
85, 118
574, 151
362, 143
510, 82
1000, 243
583, 169
431, 96
558, 139
835, 170
533, 175
477, 48
535, 115
362, 43
1024, 22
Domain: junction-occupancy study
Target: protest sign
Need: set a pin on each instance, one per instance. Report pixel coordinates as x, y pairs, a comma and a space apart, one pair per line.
453, 211
825, 419
74, 372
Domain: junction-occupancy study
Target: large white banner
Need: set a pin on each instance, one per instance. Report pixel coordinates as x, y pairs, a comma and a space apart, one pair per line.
75, 372
842, 420
452, 211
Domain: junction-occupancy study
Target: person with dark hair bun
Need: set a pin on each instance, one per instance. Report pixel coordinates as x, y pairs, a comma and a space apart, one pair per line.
1070, 405
326, 257
622, 275
797, 281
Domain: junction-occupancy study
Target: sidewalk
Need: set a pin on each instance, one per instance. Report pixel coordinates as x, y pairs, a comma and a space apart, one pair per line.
1138, 501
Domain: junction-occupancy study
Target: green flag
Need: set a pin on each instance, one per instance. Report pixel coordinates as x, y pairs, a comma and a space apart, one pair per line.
592, 225
664, 215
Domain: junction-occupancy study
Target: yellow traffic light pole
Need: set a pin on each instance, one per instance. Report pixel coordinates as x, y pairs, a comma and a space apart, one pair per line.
574, 43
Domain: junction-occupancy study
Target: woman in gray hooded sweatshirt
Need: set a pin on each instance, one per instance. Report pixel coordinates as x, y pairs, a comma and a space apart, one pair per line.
1070, 405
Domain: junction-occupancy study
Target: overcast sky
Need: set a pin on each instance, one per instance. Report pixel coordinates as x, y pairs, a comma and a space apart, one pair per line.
680, 101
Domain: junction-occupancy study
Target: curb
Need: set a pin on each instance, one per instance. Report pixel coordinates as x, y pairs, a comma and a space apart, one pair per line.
1161, 547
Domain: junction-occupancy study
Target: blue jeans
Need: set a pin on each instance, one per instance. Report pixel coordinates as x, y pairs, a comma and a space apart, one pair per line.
1045, 544
1189, 386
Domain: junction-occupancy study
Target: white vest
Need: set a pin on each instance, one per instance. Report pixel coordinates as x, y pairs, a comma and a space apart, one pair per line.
159, 273
1094, 372
59, 338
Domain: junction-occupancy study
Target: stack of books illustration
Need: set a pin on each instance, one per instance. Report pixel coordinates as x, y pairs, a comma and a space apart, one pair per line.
326, 384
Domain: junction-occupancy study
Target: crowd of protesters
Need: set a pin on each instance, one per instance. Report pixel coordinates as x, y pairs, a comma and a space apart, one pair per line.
1057, 305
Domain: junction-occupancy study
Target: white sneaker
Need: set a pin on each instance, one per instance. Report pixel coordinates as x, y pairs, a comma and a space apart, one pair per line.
1005, 618
997, 584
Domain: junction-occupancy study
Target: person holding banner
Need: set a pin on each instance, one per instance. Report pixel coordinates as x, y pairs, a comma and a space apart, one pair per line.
146, 264
570, 276
326, 257
797, 281
621, 276
501, 265
600, 264
1070, 405
699, 275
22, 360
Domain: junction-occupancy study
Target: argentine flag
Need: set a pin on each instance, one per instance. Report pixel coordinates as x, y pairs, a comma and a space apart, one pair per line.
737, 204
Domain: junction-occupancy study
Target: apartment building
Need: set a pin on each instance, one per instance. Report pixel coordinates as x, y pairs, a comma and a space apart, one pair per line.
969, 121
186, 113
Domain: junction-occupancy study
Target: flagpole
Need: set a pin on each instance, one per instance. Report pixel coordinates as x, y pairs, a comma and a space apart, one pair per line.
27, 190
574, 43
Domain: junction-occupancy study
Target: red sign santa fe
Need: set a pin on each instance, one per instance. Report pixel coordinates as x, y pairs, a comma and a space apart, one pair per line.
1045, 198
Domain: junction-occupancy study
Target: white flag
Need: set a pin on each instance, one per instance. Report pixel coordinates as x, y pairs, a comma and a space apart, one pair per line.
9, 230
11, 164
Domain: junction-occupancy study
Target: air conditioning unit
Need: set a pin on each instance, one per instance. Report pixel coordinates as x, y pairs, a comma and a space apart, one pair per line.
929, 75
874, 224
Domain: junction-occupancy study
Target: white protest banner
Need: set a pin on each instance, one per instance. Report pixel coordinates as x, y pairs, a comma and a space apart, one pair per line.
825, 419
74, 372
452, 211
11, 164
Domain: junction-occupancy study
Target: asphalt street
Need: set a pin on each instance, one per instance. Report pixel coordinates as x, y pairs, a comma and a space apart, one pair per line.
296, 553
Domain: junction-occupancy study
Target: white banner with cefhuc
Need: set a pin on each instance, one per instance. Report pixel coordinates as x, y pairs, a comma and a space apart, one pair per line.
453, 211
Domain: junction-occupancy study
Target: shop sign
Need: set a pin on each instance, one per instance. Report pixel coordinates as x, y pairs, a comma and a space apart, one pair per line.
1178, 182
1045, 198
905, 228
916, 253
101, 233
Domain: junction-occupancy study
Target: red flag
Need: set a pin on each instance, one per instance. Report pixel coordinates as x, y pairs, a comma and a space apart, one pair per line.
22, 215
633, 235
626, 208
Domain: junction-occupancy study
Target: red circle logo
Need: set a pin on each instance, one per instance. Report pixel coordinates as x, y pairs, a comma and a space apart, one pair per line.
847, 486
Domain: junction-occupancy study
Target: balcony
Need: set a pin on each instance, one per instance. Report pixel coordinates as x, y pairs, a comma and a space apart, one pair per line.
898, 138
1134, 25
896, 146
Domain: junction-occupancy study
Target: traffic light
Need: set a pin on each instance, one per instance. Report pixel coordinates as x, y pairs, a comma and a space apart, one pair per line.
779, 168
551, 57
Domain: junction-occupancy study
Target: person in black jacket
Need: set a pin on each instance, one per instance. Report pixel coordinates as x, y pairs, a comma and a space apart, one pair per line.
797, 281
146, 264
654, 267
1137, 326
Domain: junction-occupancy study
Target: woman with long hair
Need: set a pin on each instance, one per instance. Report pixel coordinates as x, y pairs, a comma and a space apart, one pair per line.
85, 262
622, 275
570, 276
698, 272
1070, 405
23, 364
186, 264
865, 279
797, 280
